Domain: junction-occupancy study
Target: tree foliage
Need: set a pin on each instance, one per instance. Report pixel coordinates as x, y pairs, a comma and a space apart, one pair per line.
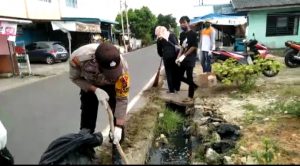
141, 23
168, 21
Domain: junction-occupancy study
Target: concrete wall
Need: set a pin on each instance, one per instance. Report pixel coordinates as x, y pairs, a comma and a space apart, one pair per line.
40, 10
13, 8
69, 11
258, 25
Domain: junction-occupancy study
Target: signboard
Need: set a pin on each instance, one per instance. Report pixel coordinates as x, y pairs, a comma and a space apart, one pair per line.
76, 26
8, 29
80, 27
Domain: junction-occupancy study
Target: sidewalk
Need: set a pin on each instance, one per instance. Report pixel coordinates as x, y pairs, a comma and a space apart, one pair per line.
183, 93
39, 72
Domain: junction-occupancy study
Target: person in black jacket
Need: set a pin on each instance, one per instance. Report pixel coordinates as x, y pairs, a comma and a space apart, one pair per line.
166, 42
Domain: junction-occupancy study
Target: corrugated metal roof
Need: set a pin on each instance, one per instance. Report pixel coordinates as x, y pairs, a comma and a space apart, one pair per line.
81, 19
248, 5
223, 9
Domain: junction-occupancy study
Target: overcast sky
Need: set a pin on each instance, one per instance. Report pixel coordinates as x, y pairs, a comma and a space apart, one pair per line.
177, 8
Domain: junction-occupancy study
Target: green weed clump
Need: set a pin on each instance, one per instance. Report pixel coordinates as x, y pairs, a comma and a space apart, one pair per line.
267, 155
289, 107
170, 122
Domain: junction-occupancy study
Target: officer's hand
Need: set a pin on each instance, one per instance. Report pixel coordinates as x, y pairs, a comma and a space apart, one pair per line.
102, 96
3, 136
117, 135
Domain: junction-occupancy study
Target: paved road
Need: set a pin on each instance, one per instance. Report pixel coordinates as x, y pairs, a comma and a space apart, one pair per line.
38, 113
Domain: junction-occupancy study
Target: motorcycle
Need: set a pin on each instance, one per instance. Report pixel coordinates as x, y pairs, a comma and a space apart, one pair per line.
253, 50
292, 54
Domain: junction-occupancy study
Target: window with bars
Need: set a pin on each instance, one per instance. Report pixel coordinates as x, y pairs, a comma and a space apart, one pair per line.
71, 3
280, 25
49, 1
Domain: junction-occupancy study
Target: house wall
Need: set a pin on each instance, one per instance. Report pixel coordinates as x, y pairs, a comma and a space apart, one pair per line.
40, 10
78, 11
257, 24
13, 8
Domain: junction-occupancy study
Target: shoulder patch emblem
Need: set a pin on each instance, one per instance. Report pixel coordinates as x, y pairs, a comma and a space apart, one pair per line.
75, 62
122, 85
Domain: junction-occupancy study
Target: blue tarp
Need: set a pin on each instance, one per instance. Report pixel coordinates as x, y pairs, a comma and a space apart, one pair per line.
220, 19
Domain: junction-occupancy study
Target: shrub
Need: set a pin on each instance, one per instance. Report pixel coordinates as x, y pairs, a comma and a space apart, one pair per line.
244, 76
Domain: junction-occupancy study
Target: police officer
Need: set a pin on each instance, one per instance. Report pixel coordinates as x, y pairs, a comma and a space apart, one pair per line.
102, 75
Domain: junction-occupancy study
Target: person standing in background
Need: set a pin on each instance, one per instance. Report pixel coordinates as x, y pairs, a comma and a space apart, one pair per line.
187, 56
207, 45
166, 42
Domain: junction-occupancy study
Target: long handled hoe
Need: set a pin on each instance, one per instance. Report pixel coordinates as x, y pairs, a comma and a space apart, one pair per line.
112, 128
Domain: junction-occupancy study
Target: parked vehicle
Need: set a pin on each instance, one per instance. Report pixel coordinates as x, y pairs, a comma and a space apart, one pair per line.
292, 54
47, 51
247, 57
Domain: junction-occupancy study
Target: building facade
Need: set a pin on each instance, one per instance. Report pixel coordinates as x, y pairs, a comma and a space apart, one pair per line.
34, 20
271, 22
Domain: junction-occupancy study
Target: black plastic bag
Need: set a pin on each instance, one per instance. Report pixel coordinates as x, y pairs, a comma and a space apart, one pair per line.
72, 149
5, 157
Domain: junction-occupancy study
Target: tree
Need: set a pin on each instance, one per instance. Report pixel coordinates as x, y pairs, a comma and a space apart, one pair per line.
141, 23
168, 21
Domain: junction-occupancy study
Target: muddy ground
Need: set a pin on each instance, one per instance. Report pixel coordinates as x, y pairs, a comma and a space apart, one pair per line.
283, 130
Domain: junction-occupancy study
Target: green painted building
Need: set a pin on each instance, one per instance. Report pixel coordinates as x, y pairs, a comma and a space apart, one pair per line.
272, 21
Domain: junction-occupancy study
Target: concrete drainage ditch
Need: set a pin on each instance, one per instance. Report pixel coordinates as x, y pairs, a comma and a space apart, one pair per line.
175, 148
205, 138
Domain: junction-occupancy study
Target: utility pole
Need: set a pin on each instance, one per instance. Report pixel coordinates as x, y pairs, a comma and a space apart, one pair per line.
125, 46
127, 23
201, 3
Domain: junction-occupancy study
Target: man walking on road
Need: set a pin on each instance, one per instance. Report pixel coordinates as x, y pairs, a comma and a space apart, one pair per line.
102, 75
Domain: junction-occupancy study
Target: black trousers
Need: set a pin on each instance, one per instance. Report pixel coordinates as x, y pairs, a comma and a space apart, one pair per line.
189, 79
89, 111
89, 106
171, 73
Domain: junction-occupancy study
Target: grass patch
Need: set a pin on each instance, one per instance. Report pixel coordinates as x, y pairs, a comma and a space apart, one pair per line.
250, 107
275, 110
290, 91
273, 142
251, 113
170, 122
141, 123
287, 107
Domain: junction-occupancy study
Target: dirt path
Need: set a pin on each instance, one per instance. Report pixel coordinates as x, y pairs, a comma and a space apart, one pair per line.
247, 110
